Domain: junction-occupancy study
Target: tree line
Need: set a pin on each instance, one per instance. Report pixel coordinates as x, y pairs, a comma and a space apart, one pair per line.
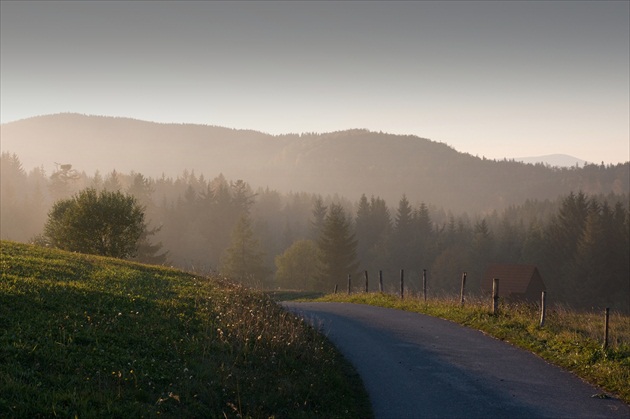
298, 240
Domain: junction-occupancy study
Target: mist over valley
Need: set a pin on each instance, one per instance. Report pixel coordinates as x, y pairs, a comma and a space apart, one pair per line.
347, 163
172, 173
392, 201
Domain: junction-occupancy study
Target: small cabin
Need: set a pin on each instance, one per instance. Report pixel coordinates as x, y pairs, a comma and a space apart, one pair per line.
516, 282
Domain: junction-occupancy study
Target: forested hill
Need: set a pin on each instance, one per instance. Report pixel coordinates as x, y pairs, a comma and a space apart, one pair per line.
347, 163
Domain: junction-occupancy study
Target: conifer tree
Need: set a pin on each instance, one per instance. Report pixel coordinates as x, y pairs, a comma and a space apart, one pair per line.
12, 185
601, 261
338, 249
423, 237
319, 216
149, 252
561, 240
403, 237
482, 252
363, 224
373, 229
112, 183
244, 259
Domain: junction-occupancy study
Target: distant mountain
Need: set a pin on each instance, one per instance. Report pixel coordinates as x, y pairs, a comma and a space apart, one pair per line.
554, 160
347, 163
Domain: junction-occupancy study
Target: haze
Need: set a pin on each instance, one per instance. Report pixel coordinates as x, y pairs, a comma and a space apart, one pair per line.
494, 79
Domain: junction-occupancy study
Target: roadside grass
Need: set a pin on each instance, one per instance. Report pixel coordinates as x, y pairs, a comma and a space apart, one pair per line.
293, 295
86, 336
572, 340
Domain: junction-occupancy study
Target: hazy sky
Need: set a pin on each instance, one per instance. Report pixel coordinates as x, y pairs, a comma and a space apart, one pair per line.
494, 79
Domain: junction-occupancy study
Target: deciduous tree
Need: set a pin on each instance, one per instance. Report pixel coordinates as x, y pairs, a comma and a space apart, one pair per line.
103, 223
298, 266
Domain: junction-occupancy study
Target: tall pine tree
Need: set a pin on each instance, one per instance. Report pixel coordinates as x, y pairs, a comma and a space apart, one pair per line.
338, 249
244, 259
403, 236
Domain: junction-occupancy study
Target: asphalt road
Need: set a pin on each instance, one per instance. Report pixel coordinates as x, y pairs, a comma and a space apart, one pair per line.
417, 366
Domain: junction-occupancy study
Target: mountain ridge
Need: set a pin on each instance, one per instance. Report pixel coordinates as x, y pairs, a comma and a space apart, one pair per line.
348, 163
554, 160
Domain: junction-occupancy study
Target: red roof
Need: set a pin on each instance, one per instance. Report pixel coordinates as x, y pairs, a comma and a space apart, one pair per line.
514, 279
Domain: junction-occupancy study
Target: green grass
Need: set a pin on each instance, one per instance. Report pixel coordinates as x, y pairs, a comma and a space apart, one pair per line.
293, 295
568, 339
85, 336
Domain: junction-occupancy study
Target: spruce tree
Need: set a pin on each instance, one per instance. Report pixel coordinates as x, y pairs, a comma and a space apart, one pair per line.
338, 249
244, 259
481, 254
561, 242
319, 215
373, 230
423, 238
363, 224
403, 238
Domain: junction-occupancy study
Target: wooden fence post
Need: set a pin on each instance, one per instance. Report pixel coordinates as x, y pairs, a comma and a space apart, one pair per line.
380, 281
606, 317
461, 294
349, 283
335, 288
495, 295
543, 308
424, 284
402, 283
366, 281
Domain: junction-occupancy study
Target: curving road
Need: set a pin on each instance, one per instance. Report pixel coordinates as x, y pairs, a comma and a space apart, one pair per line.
417, 366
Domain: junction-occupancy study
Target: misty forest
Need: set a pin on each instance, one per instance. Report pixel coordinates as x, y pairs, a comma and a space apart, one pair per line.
305, 241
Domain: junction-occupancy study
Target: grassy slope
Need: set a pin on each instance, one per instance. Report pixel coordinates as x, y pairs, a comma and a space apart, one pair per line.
568, 339
89, 336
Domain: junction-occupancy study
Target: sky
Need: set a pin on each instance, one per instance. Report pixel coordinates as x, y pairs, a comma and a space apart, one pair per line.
499, 79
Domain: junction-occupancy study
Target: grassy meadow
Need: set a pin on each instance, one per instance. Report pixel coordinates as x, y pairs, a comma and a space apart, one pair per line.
569, 339
86, 336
